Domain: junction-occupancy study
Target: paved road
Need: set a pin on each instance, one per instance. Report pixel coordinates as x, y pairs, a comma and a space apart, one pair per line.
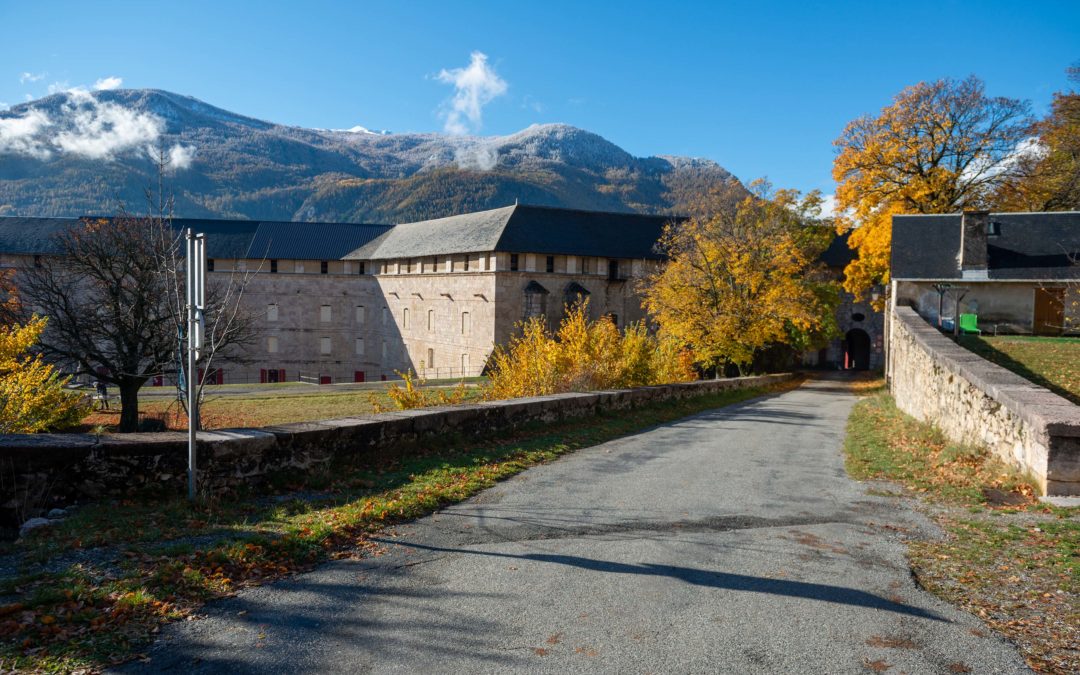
728, 542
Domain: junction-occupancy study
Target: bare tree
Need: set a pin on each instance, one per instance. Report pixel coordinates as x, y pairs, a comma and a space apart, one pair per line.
114, 295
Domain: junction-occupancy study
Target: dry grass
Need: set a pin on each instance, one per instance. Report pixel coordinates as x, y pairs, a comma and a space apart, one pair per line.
1007, 558
262, 409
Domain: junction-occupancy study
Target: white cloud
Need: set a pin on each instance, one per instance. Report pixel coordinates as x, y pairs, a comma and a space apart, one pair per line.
58, 87
474, 87
31, 77
828, 206
4, 105
181, 156
481, 157
86, 127
19, 135
107, 83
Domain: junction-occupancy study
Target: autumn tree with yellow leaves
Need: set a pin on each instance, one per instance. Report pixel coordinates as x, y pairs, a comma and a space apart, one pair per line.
743, 275
584, 355
940, 147
32, 394
1047, 173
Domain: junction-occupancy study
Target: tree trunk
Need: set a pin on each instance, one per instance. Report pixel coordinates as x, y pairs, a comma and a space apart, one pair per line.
129, 405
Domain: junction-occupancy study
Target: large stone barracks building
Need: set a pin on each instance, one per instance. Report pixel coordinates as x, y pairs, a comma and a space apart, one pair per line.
339, 302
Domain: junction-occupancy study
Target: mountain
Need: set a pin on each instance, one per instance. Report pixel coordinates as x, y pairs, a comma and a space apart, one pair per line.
82, 152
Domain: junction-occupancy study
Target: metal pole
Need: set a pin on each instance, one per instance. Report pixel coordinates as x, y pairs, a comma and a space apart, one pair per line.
192, 375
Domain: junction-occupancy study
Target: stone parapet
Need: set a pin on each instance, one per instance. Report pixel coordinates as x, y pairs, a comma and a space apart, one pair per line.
51, 468
977, 402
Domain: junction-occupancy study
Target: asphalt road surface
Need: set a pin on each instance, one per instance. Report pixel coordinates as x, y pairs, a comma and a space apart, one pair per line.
727, 542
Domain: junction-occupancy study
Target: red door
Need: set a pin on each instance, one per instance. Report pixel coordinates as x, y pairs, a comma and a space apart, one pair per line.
324, 379
281, 375
358, 376
262, 375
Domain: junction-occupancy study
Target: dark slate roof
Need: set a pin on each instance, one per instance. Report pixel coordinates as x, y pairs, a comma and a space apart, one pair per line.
311, 241
839, 254
30, 236
1030, 246
521, 228
253, 239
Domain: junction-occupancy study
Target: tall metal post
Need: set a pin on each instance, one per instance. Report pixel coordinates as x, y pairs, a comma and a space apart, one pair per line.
196, 302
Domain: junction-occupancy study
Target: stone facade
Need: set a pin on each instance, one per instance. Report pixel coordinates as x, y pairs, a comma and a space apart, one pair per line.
977, 402
1006, 307
437, 316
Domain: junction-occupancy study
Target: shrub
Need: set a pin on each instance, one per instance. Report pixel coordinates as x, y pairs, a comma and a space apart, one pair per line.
584, 355
32, 395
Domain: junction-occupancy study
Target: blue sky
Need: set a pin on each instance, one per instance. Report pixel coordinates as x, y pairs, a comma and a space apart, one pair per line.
763, 88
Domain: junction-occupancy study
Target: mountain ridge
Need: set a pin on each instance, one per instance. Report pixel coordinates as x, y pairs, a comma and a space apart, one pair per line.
80, 152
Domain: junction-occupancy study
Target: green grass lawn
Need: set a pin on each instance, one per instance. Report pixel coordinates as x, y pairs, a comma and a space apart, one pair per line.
1007, 558
1051, 362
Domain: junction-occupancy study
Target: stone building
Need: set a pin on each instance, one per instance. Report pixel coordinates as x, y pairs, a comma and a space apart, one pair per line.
340, 302
861, 343
1018, 272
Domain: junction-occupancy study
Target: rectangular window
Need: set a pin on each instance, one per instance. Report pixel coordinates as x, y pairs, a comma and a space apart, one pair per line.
271, 312
298, 267
324, 345
385, 311
37, 261
384, 350
273, 267
361, 271
324, 267
513, 262
209, 264
430, 320
271, 344
613, 270
464, 365
360, 314
466, 324
359, 346
405, 318
550, 264
466, 263
449, 264
325, 313
430, 363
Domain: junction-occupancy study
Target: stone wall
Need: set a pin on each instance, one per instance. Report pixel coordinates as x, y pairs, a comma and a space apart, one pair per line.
66, 467
977, 402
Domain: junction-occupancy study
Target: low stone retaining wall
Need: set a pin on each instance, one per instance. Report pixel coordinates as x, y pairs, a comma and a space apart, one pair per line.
44, 469
977, 402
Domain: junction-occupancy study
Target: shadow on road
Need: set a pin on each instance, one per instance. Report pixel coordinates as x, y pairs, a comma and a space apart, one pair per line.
698, 577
